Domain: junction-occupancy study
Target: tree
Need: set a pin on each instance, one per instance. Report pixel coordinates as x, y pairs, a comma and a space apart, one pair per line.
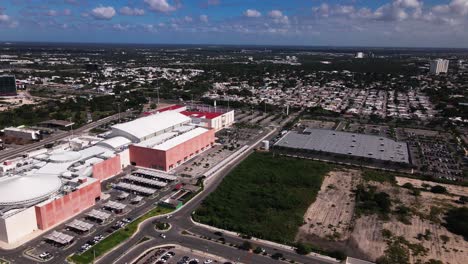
457, 221
246, 245
277, 256
438, 189
303, 249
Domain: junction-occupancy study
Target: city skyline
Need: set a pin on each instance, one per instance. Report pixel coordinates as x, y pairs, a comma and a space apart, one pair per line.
397, 23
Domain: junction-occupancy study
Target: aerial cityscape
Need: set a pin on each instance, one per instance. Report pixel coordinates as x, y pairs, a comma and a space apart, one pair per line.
222, 131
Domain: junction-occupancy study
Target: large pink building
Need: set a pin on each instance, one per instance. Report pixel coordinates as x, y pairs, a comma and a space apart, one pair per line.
167, 154
55, 211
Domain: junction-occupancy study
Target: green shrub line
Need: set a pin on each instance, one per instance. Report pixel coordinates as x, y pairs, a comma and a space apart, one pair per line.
116, 238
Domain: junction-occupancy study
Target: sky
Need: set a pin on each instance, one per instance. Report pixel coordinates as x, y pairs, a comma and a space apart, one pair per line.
386, 23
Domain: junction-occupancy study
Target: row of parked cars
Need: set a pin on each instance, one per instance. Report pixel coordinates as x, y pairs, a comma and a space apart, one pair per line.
187, 260
91, 243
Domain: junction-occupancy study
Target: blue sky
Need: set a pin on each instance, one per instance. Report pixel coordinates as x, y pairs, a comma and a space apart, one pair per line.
409, 23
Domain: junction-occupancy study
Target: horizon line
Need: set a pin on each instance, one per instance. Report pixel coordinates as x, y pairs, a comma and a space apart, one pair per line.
6, 42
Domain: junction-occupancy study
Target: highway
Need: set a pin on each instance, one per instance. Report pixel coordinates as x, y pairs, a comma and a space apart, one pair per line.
11, 153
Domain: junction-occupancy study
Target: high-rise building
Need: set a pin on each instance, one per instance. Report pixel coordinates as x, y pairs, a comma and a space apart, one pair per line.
359, 55
7, 85
439, 66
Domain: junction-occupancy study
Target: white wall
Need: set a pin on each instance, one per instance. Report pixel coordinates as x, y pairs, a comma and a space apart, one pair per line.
18, 225
125, 158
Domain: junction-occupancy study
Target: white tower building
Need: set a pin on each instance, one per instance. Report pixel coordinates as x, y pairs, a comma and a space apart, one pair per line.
439, 66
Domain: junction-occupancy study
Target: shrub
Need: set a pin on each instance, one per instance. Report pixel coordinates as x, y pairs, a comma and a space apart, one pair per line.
457, 221
438, 189
303, 249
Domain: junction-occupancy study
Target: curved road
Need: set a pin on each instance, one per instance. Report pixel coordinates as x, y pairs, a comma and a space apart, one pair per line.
181, 221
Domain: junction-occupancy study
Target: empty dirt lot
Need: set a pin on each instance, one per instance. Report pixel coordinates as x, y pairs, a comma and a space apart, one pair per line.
330, 222
331, 214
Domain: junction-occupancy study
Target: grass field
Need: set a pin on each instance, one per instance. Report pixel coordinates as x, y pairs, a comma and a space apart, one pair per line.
116, 238
264, 196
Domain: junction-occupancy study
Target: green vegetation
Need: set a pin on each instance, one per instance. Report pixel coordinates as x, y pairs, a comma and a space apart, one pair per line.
162, 226
457, 221
378, 176
116, 238
265, 197
399, 250
75, 108
438, 189
303, 249
368, 201
403, 214
277, 256
246, 245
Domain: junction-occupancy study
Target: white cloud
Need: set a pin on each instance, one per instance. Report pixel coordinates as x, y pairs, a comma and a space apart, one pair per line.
323, 10
408, 3
459, 6
103, 12
204, 18
275, 14
128, 11
252, 13
52, 13
188, 19
120, 27
160, 5
4, 18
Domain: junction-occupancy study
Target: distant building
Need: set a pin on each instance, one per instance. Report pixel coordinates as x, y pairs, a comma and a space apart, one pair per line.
359, 55
439, 66
7, 85
21, 133
346, 144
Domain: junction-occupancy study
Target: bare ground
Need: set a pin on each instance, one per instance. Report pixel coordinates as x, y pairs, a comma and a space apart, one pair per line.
333, 212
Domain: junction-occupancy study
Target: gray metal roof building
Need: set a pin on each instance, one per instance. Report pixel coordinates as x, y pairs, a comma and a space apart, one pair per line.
360, 145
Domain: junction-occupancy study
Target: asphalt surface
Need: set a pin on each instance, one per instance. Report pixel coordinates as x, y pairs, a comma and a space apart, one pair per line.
181, 221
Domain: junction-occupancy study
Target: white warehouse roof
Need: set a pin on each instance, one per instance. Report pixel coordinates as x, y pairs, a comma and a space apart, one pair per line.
142, 128
180, 139
115, 142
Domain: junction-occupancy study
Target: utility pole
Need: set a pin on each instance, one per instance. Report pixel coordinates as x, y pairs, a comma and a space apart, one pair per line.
157, 92
118, 109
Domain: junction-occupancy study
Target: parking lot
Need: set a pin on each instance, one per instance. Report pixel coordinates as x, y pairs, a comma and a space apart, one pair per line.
118, 208
178, 255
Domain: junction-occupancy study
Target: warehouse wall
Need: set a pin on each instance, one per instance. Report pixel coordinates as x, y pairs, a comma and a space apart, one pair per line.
147, 157
17, 226
183, 152
52, 212
107, 168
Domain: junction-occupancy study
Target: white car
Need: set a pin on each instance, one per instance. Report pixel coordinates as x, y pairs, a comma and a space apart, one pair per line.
162, 236
208, 261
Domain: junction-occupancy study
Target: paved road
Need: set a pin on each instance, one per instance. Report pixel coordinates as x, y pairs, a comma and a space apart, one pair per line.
11, 153
181, 221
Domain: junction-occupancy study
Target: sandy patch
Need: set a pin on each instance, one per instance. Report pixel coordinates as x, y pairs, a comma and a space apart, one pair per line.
330, 216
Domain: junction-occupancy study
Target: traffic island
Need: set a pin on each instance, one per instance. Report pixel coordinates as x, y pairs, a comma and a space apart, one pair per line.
116, 238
